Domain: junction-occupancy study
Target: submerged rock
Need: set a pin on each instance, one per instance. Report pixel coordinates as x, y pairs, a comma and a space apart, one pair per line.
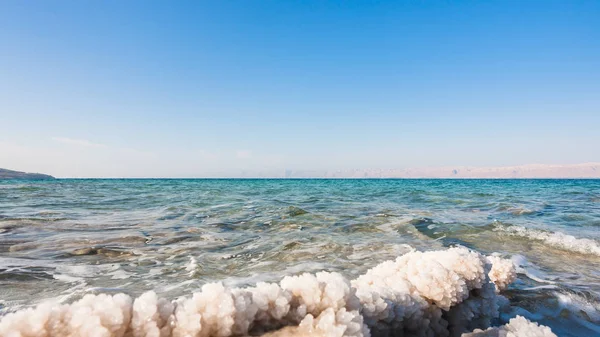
108, 252
295, 211
85, 251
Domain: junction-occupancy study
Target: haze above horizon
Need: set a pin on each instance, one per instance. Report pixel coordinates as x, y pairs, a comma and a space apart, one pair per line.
191, 89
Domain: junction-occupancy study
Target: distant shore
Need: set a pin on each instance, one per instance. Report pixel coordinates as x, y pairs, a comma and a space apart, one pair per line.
530, 171
9, 174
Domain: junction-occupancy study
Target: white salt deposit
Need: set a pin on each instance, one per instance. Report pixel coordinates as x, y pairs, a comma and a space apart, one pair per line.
437, 293
517, 327
152, 317
502, 273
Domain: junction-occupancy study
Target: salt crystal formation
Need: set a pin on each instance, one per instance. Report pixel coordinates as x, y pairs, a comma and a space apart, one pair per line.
516, 327
503, 272
437, 293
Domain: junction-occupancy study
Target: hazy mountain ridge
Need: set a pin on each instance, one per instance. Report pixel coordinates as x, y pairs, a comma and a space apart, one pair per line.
573, 171
9, 174
587, 170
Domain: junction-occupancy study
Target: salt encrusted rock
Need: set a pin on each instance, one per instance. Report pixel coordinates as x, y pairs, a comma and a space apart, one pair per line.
208, 313
292, 331
503, 272
428, 293
330, 298
335, 324
312, 294
516, 327
272, 305
470, 265
475, 312
152, 317
438, 293
93, 315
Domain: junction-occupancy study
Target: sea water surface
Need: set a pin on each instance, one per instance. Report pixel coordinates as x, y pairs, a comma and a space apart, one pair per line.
65, 238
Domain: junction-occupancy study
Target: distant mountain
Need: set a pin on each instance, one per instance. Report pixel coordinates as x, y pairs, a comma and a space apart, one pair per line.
587, 170
9, 174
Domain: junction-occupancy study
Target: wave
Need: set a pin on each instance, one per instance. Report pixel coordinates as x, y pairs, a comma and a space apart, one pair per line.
516, 210
552, 305
441, 293
555, 239
586, 305
452, 234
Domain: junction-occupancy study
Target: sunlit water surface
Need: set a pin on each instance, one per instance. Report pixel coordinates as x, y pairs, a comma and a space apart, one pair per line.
65, 238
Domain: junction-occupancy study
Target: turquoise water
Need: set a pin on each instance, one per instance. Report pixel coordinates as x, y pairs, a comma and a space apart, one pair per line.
64, 238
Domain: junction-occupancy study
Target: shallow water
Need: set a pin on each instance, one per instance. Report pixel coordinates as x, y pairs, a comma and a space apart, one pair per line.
65, 238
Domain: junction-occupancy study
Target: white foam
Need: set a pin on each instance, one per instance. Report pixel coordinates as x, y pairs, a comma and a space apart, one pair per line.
119, 275
523, 266
555, 239
583, 312
591, 306
191, 266
67, 278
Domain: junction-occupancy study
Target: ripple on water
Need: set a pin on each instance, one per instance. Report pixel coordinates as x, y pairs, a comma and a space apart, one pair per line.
141, 235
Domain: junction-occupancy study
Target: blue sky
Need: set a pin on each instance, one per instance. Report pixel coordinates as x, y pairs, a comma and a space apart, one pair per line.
208, 88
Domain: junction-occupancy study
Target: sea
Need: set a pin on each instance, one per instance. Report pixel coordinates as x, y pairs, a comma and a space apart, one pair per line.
61, 239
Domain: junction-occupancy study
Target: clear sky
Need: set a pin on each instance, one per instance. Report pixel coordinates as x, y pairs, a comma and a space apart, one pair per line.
205, 88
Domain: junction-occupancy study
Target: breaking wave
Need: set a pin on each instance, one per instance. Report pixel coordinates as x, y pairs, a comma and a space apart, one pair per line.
555, 239
437, 293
